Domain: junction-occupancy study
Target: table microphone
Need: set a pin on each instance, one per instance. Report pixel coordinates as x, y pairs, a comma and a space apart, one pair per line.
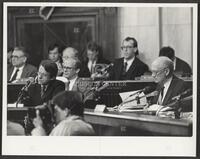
182, 95
146, 90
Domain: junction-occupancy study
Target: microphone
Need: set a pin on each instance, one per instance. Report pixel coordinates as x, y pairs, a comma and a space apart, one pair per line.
102, 87
146, 90
24, 89
152, 94
182, 95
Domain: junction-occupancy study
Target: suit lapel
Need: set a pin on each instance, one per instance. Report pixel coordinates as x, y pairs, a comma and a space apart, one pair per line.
132, 68
10, 73
169, 93
24, 71
75, 86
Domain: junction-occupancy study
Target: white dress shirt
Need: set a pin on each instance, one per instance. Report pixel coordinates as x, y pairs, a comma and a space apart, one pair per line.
19, 73
129, 62
91, 64
72, 81
166, 87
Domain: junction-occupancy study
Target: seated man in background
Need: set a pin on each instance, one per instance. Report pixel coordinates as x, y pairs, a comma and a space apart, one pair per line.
20, 69
71, 68
68, 112
93, 58
47, 85
9, 57
71, 52
180, 66
54, 55
128, 67
168, 84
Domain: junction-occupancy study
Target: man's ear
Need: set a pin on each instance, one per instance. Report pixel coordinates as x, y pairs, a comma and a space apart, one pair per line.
77, 70
167, 71
25, 59
135, 49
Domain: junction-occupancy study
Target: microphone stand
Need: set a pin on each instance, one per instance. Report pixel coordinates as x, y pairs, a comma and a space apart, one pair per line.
21, 95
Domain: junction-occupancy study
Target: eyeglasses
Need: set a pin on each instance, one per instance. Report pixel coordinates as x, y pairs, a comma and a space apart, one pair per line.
126, 47
156, 73
42, 74
68, 68
16, 57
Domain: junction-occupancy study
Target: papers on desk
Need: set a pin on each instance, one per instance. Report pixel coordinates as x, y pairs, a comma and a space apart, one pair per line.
130, 102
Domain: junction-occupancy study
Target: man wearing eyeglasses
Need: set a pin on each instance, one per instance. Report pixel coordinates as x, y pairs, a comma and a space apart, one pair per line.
168, 84
46, 86
128, 67
71, 52
71, 68
20, 69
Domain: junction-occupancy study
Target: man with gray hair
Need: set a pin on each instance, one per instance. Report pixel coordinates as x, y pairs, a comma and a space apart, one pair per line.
71, 52
20, 69
168, 84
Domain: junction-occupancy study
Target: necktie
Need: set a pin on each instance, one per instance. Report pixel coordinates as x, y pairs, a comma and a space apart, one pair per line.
43, 89
67, 85
124, 68
15, 75
161, 96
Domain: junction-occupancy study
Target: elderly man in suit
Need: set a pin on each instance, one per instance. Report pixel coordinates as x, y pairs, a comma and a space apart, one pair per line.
71, 52
20, 69
71, 68
128, 67
168, 84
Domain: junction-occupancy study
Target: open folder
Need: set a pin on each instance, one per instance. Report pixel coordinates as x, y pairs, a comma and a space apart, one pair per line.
132, 101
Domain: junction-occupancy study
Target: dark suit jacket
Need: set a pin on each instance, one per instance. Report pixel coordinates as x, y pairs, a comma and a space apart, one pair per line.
182, 67
84, 72
34, 92
176, 87
28, 71
136, 69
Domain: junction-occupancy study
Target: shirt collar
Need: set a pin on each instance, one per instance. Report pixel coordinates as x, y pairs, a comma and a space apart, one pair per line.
129, 61
167, 83
174, 63
19, 68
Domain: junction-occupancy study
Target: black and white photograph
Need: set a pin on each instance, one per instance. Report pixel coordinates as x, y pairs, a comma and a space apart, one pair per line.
99, 79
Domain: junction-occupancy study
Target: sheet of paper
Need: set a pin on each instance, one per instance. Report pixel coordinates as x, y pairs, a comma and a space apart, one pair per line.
130, 103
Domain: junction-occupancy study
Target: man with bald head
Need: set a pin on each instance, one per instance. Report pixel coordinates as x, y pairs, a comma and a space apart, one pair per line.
168, 84
71, 52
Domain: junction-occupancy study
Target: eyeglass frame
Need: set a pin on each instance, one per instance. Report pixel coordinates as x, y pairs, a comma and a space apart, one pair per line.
43, 74
68, 68
126, 47
158, 72
17, 57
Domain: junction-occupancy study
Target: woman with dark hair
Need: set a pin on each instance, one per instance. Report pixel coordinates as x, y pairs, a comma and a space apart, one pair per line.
68, 113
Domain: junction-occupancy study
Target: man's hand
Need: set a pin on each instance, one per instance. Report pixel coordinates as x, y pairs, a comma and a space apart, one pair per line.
37, 122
